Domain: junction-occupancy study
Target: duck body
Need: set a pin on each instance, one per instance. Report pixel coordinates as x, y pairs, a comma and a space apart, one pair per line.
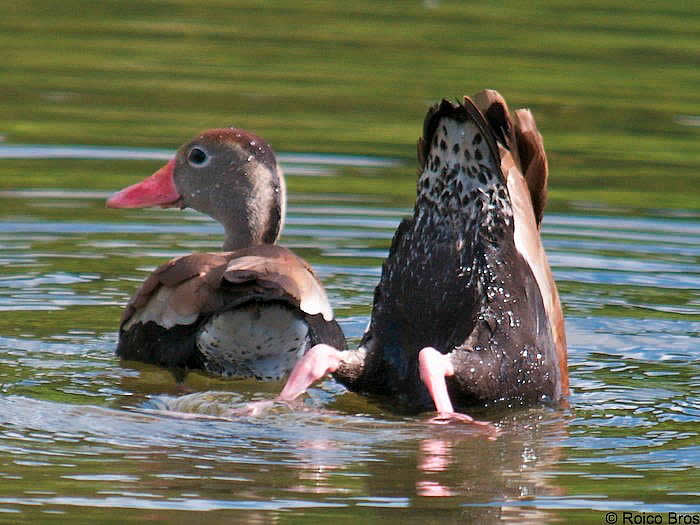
248, 312
466, 311
481, 306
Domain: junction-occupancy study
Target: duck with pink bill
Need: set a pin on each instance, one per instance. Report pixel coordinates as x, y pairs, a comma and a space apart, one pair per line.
250, 311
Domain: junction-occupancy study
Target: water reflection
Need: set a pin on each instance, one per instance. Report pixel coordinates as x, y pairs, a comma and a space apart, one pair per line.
461, 462
434, 457
514, 469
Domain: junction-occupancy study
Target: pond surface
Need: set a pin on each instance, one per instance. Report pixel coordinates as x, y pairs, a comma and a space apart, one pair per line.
81, 438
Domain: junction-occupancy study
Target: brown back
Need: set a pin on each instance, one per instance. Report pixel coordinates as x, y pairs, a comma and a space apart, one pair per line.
184, 288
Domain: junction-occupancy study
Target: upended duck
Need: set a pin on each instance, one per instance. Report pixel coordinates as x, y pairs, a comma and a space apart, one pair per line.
466, 311
248, 312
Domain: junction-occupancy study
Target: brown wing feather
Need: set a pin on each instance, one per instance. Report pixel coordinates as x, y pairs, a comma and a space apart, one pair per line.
183, 268
172, 274
181, 289
274, 267
533, 160
495, 110
520, 137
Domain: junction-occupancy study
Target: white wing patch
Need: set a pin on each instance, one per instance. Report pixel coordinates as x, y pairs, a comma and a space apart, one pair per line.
317, 303
160, 310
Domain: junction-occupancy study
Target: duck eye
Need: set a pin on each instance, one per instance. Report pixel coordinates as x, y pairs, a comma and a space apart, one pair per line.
197, 157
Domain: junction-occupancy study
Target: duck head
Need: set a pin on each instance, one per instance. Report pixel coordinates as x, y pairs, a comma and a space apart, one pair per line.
229, 174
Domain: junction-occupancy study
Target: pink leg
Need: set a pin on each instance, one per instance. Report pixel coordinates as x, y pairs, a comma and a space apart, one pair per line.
433, 367
315, 364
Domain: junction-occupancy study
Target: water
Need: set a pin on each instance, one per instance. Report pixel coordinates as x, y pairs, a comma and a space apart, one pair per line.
614, 91
81, 438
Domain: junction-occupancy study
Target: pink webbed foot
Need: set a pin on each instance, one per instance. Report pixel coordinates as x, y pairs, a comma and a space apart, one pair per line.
446, 418
434, 367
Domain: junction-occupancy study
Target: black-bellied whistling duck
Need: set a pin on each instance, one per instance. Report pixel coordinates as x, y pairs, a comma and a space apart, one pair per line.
466, 312
250, 311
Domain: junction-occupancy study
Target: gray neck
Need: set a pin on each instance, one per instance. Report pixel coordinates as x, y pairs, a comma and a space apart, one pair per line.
255, 214
237, 238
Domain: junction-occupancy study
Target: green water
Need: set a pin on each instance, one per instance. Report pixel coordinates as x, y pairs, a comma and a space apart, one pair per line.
614, 88
614, 85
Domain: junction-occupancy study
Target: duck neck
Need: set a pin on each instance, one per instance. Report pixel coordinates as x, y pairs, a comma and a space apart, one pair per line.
257, 221
237, 239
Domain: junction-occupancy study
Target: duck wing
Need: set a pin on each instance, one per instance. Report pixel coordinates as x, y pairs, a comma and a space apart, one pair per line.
160, 322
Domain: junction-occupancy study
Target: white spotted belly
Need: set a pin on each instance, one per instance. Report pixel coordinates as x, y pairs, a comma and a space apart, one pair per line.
262, 341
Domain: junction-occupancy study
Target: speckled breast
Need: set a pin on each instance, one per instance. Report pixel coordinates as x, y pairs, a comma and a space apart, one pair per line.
258, 340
